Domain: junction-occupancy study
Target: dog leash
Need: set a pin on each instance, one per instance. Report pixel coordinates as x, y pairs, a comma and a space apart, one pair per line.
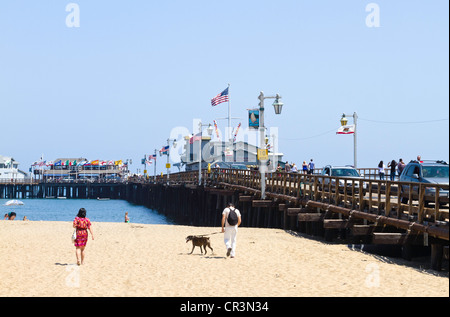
209, 234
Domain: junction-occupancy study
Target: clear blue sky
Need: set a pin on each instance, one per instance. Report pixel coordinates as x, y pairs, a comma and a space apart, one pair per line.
116, 86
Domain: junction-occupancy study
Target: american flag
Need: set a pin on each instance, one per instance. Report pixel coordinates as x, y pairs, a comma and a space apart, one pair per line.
222, 97
197, 137
152, 157
164, 150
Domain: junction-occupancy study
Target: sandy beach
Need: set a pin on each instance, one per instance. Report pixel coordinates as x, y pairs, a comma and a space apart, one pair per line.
38, 259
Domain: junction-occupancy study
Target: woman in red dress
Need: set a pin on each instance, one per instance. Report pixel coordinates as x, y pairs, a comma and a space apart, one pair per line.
82, 224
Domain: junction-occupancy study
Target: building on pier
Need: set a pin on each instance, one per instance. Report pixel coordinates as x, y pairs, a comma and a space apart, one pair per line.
9, 169
81, 168
223, 154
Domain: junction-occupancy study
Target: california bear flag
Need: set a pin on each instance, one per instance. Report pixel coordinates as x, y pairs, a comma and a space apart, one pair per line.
346, 129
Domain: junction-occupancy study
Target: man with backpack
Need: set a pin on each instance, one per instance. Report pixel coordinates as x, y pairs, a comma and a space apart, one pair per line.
231, 219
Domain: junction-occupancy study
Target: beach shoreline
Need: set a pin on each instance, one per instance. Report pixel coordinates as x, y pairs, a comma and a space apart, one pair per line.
141, 260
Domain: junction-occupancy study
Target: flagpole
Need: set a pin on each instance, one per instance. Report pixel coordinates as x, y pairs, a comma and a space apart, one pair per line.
42, 168
154, 169
229, 114
355, 117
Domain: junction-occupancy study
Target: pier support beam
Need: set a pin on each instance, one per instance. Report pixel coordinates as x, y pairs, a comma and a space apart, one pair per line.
437, 253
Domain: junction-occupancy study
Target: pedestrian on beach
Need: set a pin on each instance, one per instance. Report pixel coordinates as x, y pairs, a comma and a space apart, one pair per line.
82, 225
392, 164
231, 219
400, 166
305, 167
127, 219
381, 168
311, 166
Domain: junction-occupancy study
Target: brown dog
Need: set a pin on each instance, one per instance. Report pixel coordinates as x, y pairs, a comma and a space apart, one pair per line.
199, 241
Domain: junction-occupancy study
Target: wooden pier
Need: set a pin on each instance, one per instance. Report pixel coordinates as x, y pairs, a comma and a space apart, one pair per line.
83, 190
352, 211
355, 211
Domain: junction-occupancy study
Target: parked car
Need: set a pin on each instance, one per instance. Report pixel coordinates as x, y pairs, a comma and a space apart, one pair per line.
341, 173
429, 172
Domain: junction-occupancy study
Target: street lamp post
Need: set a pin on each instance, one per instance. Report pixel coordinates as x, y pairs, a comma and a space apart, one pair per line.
129, 162
168, 155
343, 123
262, 163
144, 162
209, 131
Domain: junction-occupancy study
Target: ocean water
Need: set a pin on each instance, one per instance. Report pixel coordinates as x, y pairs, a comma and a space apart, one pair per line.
96, 210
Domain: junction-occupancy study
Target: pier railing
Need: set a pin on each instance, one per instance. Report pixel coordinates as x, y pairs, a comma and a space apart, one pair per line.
19, 181
418, 202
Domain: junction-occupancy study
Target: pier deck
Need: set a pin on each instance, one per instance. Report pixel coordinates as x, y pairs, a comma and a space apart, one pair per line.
382, 212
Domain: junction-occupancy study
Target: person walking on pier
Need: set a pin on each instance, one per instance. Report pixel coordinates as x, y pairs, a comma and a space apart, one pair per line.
311, 167
294, 168
392, 164
400, 166
82, 225
287, 167
381, 168
231, 219
304, 167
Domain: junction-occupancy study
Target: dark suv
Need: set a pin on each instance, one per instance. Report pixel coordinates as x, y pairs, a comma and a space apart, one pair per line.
431, 172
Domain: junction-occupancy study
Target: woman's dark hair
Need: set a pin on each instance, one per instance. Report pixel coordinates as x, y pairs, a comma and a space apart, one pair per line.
380, 164
81, 213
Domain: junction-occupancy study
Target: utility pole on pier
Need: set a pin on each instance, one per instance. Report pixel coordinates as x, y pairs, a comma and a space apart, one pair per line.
262, 147
354, 131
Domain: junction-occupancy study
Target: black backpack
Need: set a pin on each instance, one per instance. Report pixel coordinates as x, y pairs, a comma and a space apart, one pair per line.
232, 217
